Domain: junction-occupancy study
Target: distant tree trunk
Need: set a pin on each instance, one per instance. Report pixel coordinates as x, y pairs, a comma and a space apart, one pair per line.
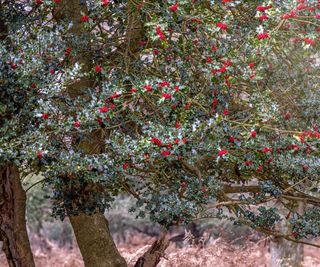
286, 254
95, 242
13, 231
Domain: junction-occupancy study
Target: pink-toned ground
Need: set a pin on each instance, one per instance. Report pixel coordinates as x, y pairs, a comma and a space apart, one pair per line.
218, 253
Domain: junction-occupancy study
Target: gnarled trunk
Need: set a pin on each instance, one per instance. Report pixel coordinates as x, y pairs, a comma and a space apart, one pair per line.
153, 255
13, 231
95, 242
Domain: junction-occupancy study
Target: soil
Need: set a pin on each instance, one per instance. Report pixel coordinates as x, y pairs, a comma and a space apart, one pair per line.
216, 253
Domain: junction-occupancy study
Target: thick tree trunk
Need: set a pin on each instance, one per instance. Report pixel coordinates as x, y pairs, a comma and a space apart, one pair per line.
13, 232
95, 242
91, 231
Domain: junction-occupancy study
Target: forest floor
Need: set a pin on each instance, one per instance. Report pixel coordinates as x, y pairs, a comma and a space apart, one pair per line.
217, 253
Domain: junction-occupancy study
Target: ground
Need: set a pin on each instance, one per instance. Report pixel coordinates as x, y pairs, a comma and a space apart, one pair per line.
217, 253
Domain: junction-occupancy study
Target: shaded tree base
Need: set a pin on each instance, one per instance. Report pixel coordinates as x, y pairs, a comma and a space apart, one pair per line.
13, 232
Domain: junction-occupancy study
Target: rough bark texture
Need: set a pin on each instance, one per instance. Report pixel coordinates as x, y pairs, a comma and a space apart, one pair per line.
95, 243
13, 232
153, 255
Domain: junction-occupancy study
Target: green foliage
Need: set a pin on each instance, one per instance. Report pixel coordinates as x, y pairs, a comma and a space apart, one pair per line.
266, 218
307, 224
172, 106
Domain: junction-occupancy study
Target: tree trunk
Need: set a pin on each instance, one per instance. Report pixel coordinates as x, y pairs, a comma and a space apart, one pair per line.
154, 254
95, 242
286, 253
13, 231
91, 231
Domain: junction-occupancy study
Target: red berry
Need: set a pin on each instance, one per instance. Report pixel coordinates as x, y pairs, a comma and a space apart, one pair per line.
98, 68
287, 116
156, 141
222, 26
166, 95
125, 166
39, 155
184, 184
165, 153
253, 134
103, 109
174, 8
148, 88
45, 116
85, 18
222, 152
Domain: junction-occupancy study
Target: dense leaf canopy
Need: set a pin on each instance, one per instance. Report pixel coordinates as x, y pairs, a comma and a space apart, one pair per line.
191, 107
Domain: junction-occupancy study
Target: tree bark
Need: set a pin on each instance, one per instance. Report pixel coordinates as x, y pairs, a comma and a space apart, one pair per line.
95, 242
13, 231
92, 232
153, 255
